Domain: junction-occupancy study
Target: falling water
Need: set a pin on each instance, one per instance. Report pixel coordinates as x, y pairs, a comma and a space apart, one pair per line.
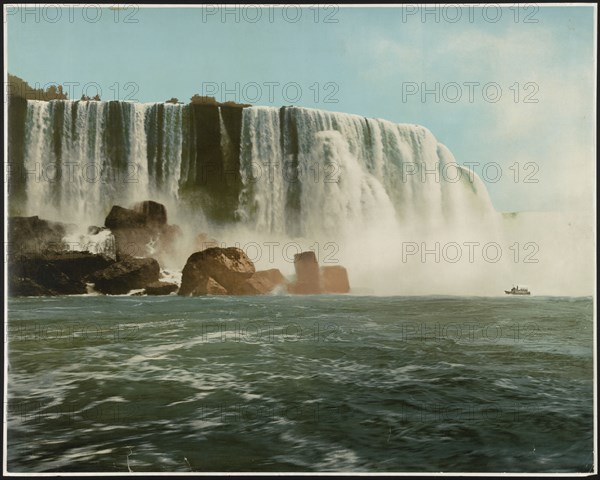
258, 172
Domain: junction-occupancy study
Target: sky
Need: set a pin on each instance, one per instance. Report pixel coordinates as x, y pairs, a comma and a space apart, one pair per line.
510, 91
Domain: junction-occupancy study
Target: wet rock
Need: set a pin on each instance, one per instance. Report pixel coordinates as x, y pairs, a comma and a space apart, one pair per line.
308, 278
311, 279
261, 283
126, 275
120, 217
334, 279
53, 273
33, 235
229, 268
161, 288
154, 212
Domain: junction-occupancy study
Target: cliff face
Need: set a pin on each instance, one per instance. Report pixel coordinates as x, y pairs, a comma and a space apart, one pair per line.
212, 161
17, 112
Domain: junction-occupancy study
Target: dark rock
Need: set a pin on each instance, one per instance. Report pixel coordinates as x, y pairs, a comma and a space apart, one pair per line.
53, 273
307, 274
120, 217
154, 212
93, 230
334, 279
261, 283
79, 265
125, 275
31, 235
161, 288
26, 287
228, 267
60, 282
143, 231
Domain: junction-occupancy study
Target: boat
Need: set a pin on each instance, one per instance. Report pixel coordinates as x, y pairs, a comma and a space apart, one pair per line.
522, 290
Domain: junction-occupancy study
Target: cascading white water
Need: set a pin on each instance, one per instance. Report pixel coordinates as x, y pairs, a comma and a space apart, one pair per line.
102, 242
361, 185
262, 199
346, 167
352, 172
139, 151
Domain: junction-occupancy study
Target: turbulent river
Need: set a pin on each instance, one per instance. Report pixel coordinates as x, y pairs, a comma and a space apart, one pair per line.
300, 383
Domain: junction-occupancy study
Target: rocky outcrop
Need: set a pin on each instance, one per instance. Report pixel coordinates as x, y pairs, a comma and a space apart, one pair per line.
308, 279
142, 231
154, 213
26, 287
334, 279
128, 274
216, 271
161, 288
261, 283
204, 286
121, 218
53, 273
311, 279
31, 235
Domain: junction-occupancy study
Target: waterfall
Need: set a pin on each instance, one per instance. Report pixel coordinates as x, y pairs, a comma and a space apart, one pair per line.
361, 191
293, 171
258, 173
261, 165
338, 173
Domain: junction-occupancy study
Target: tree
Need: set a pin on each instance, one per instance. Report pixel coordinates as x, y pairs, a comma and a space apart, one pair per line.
204, 100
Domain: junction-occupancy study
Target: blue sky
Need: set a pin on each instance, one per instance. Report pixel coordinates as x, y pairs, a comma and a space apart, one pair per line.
374, 61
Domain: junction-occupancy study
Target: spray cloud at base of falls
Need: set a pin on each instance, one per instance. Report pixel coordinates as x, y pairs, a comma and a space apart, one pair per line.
359, 190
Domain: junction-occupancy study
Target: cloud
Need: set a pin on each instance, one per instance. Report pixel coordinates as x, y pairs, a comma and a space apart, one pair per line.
545, 113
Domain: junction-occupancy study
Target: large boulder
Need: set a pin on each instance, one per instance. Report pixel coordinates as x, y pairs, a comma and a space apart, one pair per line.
261, 283
334, 279
155, 213
227, 267
120, 217
33, 235
161, 288
143, 231
206, 286
53, 273
308, 278
312, 279
26, 287
128, 274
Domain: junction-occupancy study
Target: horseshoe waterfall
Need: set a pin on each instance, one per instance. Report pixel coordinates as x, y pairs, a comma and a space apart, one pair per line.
360, 189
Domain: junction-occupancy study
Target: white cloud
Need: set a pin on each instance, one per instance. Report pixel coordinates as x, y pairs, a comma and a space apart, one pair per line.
556, 132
